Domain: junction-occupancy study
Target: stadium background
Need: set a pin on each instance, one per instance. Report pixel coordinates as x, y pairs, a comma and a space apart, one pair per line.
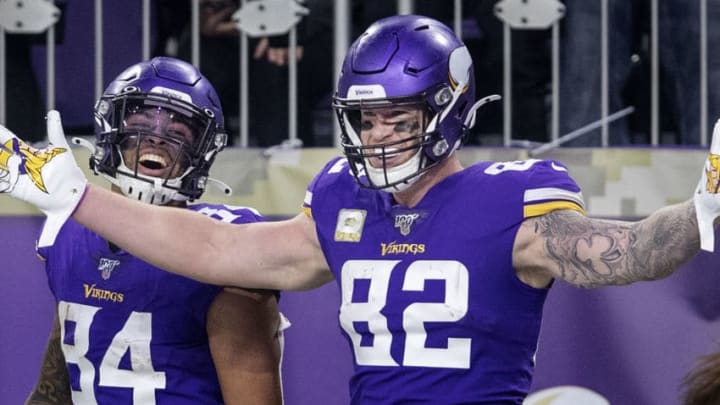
632, 344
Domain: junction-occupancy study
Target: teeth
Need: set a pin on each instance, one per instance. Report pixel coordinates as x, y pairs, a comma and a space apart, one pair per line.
149, 157
391, 152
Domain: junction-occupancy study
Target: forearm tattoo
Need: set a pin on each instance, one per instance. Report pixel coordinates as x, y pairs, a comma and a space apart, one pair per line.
53, 386
591, 252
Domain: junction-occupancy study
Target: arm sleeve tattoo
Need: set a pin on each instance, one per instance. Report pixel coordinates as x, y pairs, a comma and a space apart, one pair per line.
590, 252
53, 385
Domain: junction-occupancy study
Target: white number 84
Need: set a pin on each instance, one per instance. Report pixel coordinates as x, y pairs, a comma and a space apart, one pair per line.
135, 337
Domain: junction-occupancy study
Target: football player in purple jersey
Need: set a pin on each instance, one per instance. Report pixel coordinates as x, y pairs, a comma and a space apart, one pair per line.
443, 270
126, 332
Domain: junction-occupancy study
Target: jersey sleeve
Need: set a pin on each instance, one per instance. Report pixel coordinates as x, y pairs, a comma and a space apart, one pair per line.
229, 213
550, 187
322, 181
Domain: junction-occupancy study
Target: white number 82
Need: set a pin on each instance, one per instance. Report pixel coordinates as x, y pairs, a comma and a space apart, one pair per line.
452, 309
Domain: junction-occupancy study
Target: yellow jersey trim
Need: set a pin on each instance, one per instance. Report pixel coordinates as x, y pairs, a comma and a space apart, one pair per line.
535, 210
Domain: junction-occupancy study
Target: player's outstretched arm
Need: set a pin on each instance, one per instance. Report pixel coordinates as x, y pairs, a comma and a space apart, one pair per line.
591, 252
276, 255
588, 252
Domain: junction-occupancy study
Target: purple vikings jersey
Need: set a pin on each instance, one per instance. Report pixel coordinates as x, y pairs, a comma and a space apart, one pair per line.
431, 305
130, 332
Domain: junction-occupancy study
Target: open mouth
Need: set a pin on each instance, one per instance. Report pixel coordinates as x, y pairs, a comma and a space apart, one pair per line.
152, 162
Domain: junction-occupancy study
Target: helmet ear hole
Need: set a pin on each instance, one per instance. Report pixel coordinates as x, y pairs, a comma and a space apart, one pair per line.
443, 96
129, 89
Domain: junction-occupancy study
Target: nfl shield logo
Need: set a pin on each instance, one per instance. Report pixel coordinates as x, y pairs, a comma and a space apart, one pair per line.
106, 267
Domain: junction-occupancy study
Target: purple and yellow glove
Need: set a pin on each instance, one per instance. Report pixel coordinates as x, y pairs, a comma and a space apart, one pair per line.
707, 194
48, 178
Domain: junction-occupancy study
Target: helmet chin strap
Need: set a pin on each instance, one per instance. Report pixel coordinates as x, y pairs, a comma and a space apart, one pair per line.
146, 189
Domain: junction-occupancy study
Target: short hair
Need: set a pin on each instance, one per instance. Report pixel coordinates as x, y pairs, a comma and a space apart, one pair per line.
701, 385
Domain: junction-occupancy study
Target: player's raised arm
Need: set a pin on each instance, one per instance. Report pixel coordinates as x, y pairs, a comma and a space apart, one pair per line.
280, 255
591, 252
179, 241
588, 252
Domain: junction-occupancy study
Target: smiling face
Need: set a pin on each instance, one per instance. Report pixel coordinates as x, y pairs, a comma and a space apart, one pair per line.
156, 142
393, 131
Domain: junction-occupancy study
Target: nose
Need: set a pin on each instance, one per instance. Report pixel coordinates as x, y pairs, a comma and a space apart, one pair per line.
154, 138
380, 132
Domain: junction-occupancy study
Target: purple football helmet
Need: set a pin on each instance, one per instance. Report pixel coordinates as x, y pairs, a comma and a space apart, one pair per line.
406, 60
175, 89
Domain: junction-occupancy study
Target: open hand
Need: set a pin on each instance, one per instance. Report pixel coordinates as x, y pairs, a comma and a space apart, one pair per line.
47, 178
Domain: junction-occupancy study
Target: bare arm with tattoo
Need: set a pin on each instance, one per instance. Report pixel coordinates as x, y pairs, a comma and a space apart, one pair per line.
589, 252
53, 385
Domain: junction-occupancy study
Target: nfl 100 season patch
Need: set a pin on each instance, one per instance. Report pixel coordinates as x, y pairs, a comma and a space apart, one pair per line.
404, 219
106, 267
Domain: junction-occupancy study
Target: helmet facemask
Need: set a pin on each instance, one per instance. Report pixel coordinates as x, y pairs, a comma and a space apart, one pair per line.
381, 166
155, 149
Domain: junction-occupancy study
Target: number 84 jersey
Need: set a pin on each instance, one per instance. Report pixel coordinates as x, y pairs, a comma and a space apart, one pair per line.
431, 305
132, 333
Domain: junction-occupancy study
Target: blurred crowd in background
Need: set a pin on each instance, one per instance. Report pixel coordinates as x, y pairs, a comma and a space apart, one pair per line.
580, 92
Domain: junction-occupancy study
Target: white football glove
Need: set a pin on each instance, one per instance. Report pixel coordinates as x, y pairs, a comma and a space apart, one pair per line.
48, 178
707, 197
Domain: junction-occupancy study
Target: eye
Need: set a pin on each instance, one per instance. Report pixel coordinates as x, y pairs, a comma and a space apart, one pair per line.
406, 126
366, 125
137, 127
137, 123
179, 134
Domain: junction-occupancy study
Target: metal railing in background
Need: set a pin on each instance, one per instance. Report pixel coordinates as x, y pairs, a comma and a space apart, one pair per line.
265, 18
29, 17
98, 24
524, 15
37, 16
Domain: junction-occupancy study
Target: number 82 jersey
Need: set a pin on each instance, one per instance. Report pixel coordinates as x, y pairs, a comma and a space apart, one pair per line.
431, 305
